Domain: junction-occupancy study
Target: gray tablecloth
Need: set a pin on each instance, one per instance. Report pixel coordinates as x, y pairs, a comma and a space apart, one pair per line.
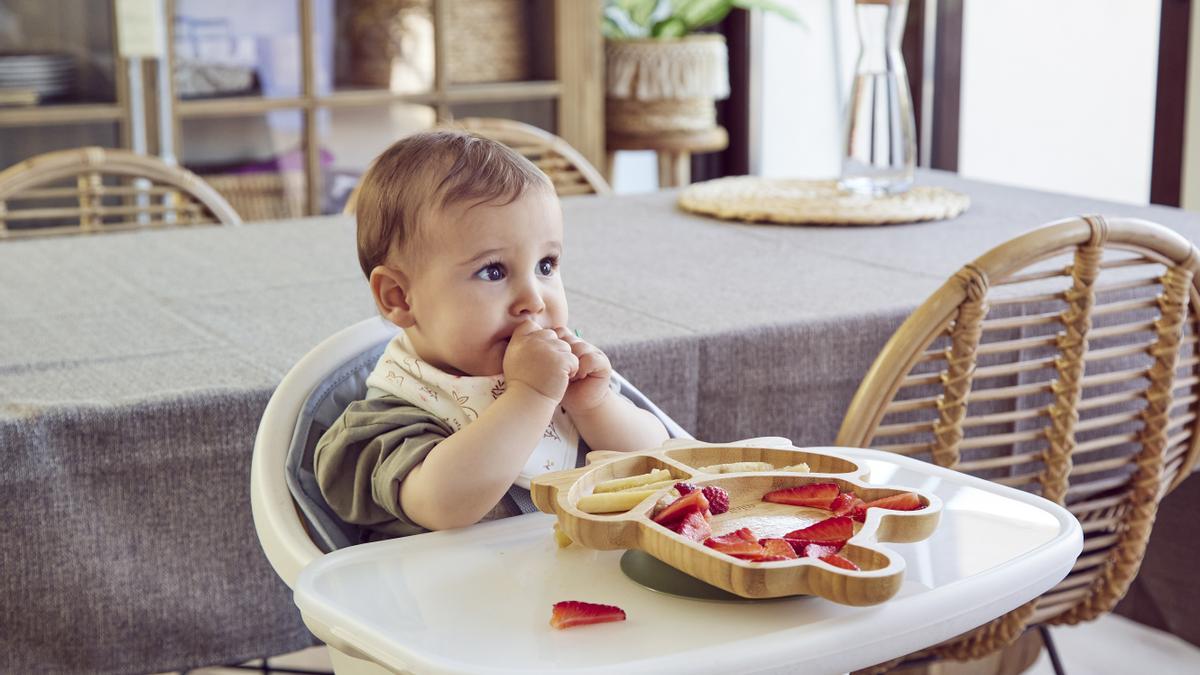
134, 368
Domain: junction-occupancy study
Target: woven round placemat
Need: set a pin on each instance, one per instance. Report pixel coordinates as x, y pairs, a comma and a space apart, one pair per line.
809, 202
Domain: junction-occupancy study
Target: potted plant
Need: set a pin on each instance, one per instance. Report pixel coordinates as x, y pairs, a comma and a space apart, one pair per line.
661, 74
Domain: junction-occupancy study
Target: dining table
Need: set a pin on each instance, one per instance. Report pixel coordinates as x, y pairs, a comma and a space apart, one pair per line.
135, 366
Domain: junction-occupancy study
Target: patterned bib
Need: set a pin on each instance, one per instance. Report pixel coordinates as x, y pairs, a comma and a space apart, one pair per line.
459, 400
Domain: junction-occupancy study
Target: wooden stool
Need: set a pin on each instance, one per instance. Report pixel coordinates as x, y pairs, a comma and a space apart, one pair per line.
674, 151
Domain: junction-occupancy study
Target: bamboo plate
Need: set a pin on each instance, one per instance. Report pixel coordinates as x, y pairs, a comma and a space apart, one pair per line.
881, 570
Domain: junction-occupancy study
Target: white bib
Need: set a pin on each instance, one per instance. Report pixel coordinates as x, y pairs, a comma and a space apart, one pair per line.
459, 400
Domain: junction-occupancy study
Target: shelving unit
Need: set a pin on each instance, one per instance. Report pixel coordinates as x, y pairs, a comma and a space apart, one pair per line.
566, 69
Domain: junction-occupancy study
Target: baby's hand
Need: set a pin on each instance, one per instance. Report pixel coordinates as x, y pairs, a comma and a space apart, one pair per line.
590, 385
537, 358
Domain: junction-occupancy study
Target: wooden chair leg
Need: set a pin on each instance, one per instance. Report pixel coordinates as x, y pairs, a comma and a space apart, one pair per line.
674, 168
610, 165
664, 170
681, 170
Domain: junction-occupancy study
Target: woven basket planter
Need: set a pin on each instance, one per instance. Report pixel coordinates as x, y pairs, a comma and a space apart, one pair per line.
658, 85
391, 42
487, 41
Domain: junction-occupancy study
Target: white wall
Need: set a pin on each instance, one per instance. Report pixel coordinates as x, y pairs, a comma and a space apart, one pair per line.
801, 107
1191, 133
1059, 95
800, 124
1056, 94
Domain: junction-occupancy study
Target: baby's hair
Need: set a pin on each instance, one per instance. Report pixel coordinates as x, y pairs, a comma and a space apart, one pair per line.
433, 170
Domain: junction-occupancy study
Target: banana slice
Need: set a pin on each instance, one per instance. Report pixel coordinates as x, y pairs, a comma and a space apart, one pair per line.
618, 484
738, 467
653, 486
612, 502
797, 468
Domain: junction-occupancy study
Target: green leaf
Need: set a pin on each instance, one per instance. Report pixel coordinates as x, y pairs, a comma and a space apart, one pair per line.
701, 13
622, 25
610, 29
770, 6
672, 27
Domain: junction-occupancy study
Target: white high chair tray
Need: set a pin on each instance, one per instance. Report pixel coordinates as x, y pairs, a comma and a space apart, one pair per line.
479, 599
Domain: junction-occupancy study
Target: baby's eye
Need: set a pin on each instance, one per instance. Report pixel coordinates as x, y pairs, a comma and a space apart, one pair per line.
546, 266
492, 272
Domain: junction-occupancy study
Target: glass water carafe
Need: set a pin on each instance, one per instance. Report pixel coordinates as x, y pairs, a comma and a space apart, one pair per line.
881, 141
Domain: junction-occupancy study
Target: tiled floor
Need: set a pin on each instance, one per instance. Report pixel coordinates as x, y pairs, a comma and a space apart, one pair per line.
1111, 645
1114, 645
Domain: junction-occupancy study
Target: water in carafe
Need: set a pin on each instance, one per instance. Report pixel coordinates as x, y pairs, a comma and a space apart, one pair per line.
880, 132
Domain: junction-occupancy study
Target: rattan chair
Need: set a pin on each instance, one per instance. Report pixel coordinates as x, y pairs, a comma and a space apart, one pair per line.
88, 190
570, 171
1063, 362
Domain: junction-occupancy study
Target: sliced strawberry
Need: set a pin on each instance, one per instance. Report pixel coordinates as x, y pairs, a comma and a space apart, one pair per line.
837, 528
811, 550
845, 504
777, 549
817, 495
734, 537
737, 549
694, 502
685, 488
905, 501
718, 499
859, 512
838, 561
694, 526
575, 613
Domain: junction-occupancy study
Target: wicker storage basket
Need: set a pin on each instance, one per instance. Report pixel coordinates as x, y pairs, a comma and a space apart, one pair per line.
486, 41
656, 85
262, 196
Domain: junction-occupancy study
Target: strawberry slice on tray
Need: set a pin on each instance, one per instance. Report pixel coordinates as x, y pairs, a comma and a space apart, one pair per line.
846, 504
693, 502
776, 549
694, 526
905, 501
718, 498
734, 537
835, 529
737, 548
838, 561
571, 613
812, 550
816, 495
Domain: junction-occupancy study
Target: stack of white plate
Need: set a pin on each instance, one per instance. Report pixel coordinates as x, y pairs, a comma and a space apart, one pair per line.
50, 75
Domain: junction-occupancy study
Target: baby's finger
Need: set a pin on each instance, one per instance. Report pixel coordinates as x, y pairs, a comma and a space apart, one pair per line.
526, 327
591, 362
579, 348
566, 335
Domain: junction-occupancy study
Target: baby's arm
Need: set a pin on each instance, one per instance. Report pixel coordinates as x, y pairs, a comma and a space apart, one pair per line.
604, 419
469, 472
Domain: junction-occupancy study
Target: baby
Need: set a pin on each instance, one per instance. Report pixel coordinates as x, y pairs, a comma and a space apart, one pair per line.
485, 386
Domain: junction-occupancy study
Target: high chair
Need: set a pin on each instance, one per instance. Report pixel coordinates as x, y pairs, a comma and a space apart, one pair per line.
294, 525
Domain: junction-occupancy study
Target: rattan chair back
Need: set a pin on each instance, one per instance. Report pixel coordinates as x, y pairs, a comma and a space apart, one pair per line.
92, 189
570, 172
1063, 362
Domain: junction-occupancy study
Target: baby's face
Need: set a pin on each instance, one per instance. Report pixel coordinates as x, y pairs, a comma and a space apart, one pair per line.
477, 273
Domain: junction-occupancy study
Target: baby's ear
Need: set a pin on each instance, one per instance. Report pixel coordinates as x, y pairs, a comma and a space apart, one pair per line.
390, 288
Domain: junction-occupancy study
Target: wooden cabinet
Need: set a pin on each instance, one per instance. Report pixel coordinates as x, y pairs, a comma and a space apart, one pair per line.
281, 103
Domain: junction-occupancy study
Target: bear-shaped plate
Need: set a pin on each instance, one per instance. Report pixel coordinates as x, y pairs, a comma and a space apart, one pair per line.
747, 473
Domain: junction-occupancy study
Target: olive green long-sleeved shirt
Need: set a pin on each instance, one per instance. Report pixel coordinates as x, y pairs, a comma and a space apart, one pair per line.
363, 458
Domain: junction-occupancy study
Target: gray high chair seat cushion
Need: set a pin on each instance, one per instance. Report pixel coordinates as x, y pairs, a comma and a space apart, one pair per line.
344, 385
